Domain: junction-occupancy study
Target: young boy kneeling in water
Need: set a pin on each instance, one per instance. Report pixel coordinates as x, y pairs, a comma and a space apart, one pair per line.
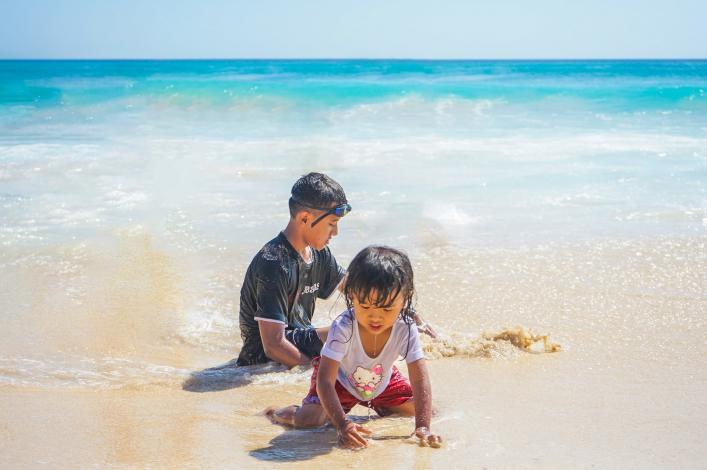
356, 365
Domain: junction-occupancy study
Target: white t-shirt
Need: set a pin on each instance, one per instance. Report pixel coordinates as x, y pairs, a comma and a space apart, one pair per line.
365, 377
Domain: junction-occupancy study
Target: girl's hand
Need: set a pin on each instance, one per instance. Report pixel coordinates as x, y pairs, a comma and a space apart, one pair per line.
351, 435
426, 438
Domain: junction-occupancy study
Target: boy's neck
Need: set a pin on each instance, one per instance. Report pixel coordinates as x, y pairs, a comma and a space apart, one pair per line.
296, 239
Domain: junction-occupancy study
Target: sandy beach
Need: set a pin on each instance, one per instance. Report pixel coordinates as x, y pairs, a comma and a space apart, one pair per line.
620, 394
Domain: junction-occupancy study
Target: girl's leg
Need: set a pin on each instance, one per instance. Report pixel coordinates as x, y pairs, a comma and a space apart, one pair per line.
285, 416
310, 415
306, 416
406, 409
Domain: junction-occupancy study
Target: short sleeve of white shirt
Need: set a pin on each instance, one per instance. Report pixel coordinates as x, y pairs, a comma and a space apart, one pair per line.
338, 339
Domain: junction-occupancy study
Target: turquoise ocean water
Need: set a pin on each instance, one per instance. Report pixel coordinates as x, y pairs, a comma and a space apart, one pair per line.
474, 152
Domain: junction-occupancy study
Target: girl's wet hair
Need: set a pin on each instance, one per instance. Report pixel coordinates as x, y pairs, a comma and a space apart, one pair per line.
379, 274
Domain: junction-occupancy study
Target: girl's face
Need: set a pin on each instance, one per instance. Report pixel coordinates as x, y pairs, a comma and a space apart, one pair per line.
375, 319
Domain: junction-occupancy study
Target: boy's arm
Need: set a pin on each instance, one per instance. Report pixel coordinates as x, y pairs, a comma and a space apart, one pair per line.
276, 346
271, 295
349, 434
422, 395
423, 326
342, 283
334, 276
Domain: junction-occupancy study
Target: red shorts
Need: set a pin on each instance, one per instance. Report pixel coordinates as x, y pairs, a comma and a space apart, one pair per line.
395, 394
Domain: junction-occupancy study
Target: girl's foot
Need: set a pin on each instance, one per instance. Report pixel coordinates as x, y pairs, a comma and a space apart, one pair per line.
269, 412
284, 416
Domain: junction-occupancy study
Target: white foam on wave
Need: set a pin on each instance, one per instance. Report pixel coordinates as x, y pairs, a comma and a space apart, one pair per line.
581, 199
513, 147
449, 215
676, 214
121, 198
411, 109
82, 83
22, 160
72, 216
187, 77
120, 373
272, 155
220, 183
210, 324
88, 373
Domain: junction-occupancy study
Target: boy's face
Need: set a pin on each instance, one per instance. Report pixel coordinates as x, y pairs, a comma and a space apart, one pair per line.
318, 236
376, 319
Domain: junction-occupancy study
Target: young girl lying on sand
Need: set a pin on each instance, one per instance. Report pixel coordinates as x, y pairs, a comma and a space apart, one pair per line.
356, 365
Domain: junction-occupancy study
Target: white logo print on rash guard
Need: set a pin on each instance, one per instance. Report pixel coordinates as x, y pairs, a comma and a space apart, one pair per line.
311, 289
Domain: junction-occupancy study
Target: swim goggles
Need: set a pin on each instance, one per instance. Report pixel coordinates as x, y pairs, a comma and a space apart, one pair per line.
339, 211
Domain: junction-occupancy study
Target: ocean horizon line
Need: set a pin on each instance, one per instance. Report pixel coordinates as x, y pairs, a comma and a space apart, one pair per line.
349, 59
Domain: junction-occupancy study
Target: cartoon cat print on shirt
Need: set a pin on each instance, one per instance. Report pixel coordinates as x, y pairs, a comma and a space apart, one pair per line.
366, 380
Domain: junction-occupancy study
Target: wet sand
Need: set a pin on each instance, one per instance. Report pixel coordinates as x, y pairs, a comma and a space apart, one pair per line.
626, 390
531, 412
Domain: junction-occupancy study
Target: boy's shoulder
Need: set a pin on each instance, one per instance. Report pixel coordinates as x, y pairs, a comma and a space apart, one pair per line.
277, 249
277, 255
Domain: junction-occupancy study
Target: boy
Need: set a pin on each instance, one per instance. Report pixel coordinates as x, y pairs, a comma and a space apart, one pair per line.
287, 275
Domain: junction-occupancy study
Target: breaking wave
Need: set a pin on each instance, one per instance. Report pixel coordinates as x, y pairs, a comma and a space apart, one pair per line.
506, 342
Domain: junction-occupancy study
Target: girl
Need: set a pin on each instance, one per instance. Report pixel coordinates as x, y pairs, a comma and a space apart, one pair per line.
356, 365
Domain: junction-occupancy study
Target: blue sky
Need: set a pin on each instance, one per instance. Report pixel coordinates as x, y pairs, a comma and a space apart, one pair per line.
440, 29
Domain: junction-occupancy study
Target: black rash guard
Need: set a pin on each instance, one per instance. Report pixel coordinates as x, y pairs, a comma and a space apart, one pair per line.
281, 287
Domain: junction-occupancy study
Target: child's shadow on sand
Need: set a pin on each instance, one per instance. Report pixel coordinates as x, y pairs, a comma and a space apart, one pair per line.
301, 444
295, 444
227, 376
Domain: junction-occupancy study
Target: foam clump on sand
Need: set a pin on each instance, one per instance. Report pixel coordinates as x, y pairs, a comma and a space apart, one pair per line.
503, 343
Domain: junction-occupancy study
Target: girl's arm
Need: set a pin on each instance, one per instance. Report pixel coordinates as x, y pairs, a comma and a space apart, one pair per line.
422, 395
350, 435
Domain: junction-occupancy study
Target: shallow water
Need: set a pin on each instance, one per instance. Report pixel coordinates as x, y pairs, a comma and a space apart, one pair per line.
561, 198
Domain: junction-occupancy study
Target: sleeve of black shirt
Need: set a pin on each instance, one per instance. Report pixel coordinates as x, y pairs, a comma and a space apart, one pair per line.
271, 291
332, 274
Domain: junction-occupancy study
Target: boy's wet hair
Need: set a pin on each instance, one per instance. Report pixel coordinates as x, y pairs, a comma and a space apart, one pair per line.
377, 275
315, 190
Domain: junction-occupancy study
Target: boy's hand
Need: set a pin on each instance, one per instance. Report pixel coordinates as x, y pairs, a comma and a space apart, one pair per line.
427, 329
424, 327
351, 435
426, 438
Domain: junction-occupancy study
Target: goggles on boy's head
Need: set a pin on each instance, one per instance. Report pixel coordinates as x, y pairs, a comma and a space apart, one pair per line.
339, 211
